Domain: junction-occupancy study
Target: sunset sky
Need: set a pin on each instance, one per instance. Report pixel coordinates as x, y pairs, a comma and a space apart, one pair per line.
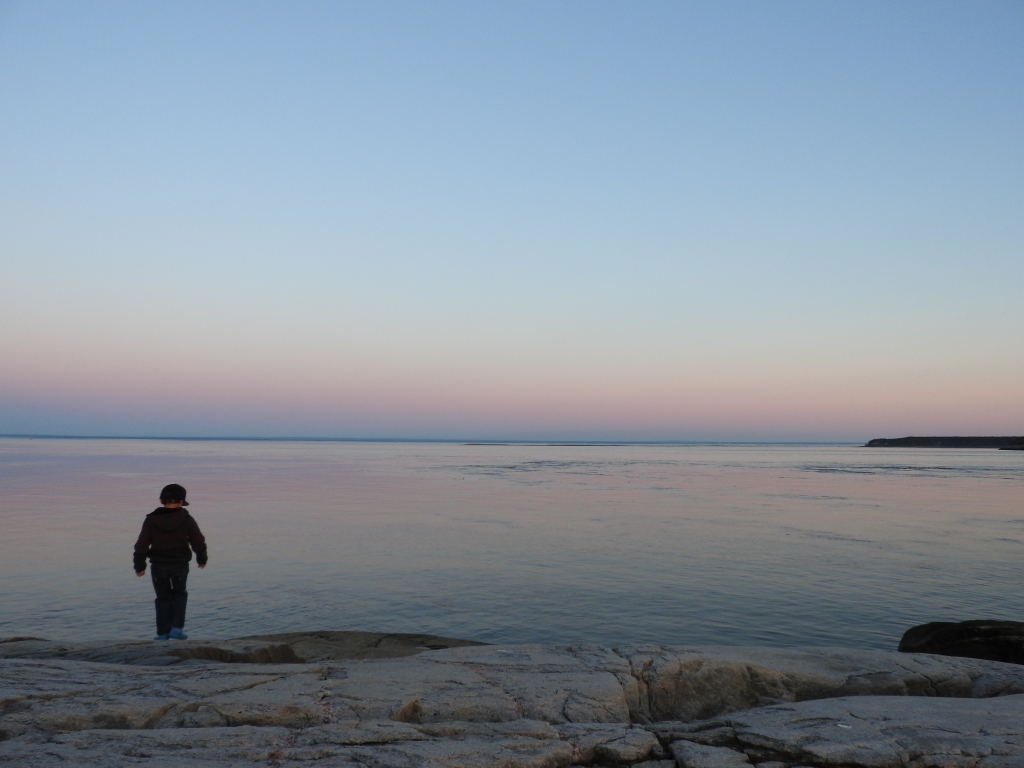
571, 220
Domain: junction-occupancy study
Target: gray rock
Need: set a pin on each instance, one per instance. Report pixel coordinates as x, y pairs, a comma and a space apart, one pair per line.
529, 706
689, 755
288, 648
693, 683
586, 738
246, 745
574, 684
415, 690
636, 744
881, 732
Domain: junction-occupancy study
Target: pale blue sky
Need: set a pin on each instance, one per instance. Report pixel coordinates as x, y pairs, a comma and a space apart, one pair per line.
646, 220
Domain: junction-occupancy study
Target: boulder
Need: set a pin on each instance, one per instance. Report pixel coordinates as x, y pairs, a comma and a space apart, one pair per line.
980, 639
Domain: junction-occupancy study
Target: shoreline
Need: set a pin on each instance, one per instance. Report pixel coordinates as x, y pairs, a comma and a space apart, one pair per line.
397, 701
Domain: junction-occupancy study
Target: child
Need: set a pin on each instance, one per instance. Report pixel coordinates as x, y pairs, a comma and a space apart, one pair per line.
167, 533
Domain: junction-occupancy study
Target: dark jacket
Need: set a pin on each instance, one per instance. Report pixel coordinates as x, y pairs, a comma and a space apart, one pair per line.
166, 537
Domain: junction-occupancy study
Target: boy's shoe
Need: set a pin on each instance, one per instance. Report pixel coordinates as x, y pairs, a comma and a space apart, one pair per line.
177, 634
162, 637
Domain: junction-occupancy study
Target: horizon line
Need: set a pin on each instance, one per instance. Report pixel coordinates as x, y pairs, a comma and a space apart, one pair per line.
463, 441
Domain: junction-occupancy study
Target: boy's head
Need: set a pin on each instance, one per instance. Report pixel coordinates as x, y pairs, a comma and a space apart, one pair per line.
173, 494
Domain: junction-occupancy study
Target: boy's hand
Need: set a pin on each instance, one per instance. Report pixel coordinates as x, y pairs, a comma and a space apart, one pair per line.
140, 573
203, 565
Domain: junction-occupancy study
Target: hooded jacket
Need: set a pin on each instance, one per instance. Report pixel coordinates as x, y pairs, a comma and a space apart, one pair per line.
166, 537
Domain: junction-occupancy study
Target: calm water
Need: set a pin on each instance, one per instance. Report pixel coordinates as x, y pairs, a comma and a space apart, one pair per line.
777, 545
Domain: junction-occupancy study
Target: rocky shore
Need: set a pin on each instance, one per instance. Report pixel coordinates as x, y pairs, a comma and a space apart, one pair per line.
405, 701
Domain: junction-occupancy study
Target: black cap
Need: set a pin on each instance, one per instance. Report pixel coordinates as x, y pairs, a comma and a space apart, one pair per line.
173, 492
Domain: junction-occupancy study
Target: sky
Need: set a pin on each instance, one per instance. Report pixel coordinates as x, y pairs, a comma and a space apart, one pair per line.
526, 220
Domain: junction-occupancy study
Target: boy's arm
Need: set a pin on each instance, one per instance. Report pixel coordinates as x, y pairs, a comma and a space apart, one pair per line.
197, 541
142, 549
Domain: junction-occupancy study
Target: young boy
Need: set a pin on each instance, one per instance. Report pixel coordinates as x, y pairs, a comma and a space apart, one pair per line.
167, 534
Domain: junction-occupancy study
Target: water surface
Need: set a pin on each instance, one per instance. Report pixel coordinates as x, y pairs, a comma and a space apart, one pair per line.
776, 545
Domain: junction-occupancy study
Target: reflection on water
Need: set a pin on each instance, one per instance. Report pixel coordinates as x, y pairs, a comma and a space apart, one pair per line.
780, 545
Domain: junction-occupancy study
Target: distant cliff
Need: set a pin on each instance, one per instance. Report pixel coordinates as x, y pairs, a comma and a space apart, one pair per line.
1004, 443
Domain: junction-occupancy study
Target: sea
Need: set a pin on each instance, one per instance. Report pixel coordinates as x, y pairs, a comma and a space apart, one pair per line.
779, 545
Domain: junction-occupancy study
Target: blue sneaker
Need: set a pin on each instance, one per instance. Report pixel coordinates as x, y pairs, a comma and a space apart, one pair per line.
162, 637
177, 634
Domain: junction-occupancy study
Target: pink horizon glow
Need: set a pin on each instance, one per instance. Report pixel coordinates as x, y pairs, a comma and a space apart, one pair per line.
773, 405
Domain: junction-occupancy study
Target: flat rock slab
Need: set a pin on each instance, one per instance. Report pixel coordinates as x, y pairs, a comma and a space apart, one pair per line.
690, 755
324, 746
875, 731
287, 648
701, 682
524, 705
854, 732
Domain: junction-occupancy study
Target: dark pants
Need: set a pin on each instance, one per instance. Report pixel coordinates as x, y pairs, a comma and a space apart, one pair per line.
171, 597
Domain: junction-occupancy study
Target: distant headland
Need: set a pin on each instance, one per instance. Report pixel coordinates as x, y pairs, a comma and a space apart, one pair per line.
1002, 443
